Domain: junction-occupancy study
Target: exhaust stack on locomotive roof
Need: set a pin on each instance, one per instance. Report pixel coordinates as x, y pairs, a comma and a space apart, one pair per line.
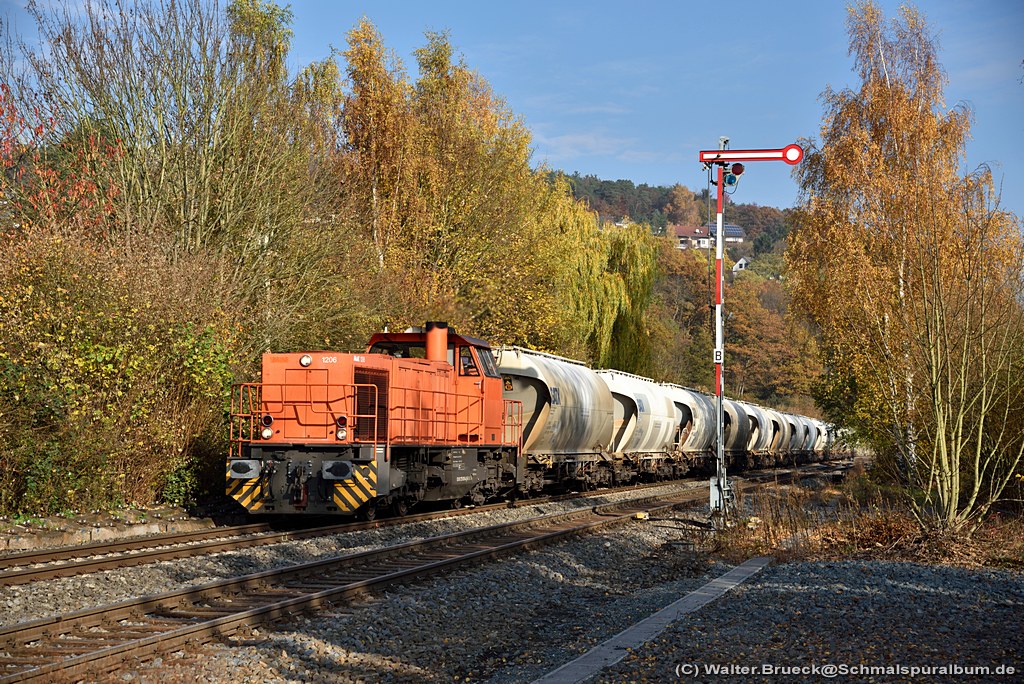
437, 341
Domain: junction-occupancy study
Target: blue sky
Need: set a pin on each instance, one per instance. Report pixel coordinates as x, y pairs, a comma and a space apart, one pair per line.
635, 89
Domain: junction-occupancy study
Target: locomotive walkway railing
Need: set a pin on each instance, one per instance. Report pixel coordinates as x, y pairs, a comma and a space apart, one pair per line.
310, 413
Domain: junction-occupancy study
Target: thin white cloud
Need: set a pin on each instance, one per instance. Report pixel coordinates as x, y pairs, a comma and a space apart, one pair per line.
568, 150
575, 145
566, 104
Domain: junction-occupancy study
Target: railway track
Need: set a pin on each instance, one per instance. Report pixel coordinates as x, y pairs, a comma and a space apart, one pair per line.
98, 640
101, 638
36, 566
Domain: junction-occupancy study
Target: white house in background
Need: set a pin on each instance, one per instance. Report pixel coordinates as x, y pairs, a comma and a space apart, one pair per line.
690, 237
741, 265
703, 237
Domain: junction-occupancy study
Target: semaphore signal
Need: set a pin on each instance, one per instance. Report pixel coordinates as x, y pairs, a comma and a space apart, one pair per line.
791, 154
730, 168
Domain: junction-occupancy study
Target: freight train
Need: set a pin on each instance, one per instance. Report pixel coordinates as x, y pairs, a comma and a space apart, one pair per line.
428, 415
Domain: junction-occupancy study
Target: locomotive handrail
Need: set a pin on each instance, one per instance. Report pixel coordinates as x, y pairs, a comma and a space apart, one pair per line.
249, 404
414, 414
512, 418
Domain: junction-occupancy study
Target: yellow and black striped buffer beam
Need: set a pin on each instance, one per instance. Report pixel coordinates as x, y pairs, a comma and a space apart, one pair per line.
245, 492
354, 491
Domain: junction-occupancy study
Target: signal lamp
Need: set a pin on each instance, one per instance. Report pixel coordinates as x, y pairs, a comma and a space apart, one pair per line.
341, 421
305, 360
732, 176
267, 433
267, 420
342, 434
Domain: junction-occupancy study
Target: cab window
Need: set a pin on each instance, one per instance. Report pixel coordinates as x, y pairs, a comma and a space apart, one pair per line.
400, 350
487, 361
467, 366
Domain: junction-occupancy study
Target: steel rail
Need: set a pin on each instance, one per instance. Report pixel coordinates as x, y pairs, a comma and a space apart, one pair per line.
99, 639
35, 566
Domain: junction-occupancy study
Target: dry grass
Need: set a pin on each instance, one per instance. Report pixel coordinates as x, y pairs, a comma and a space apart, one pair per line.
857, 520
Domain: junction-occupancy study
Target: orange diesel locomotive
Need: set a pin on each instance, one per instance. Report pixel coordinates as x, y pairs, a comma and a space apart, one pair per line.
418, 417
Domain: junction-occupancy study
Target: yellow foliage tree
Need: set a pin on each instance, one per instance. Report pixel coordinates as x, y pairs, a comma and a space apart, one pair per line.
912, 274
437, 179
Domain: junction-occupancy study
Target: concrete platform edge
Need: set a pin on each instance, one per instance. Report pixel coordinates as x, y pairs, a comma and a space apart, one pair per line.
614, 649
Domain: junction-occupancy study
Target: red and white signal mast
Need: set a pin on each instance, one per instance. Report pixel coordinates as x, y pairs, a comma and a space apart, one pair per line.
730, 168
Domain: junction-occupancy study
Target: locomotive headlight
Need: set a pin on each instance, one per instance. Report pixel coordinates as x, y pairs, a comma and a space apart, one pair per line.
342, 433
267, 433
305, 360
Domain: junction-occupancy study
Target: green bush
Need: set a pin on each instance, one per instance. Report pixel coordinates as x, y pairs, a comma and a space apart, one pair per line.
112, 370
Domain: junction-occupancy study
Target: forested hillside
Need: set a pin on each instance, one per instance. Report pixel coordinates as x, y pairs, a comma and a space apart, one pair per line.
177, 201
659, 206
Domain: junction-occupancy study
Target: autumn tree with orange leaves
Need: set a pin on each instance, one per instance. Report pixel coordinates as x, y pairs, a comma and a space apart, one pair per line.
912, 272
176, 201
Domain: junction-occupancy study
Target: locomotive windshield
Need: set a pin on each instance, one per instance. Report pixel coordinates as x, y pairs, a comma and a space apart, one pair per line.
467, 365
487, 361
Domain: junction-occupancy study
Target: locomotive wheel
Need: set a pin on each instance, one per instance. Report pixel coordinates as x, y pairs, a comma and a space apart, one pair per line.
369, 512
399, 507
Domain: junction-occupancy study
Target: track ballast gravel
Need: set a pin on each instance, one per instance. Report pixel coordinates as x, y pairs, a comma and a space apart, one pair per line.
854, 621
506, 621
516, 620
21, 603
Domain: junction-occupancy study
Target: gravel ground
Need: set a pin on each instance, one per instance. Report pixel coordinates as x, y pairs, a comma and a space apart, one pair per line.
853, 614
510, 621
21, 603
516, 620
